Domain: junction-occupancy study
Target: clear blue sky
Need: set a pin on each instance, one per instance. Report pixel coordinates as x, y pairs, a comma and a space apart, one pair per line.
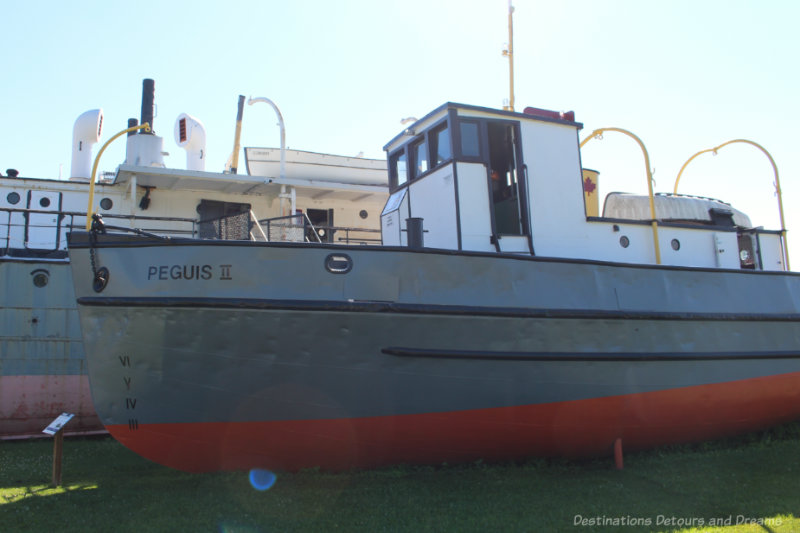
682, 75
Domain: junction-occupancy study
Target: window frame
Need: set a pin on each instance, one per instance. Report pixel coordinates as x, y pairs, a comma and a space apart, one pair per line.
479, 129
394, 158
420, 141
433, 143
409, 151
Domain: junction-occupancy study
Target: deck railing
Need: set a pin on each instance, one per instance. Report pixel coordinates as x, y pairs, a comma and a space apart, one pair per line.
298, 228
39, 232
291, 228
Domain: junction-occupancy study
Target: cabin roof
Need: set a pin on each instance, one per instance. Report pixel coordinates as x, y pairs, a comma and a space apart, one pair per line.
479, 109
669, 207
175, 179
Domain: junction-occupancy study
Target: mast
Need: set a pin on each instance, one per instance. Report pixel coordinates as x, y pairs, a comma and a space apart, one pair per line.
234, 168
509, 53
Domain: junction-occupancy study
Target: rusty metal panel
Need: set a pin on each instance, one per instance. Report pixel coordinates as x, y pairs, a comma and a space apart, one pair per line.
42, 364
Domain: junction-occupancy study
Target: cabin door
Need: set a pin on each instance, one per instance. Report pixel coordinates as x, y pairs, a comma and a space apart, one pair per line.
223, 220
322, 220
508, 197
43, 220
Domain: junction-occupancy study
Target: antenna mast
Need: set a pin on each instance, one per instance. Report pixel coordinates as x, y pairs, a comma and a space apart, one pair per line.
509, 53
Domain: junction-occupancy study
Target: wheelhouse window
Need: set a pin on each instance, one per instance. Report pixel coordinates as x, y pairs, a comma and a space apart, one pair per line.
419, 155
440, 145
423, 153
399, 168
470, 139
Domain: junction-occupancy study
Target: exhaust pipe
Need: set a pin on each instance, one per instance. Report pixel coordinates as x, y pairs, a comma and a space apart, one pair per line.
148, 104
145, 149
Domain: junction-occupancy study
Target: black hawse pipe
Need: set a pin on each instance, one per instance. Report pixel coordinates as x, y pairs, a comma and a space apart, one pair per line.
148, 102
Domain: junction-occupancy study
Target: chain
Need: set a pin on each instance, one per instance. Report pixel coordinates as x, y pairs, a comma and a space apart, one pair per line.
92, 241
99, 276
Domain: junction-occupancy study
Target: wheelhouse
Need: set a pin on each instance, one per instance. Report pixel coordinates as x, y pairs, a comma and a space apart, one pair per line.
476, 179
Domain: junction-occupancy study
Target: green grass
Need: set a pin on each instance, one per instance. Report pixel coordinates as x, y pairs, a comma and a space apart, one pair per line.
108, 488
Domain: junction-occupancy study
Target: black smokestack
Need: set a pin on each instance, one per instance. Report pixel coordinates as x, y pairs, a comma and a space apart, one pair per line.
148, 102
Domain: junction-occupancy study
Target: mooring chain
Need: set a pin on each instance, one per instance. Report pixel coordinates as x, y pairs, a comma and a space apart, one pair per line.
92, 241
99, 276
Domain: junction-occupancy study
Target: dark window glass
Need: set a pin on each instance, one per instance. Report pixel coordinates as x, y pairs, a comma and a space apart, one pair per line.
399, 168
40, 279
440, 145
470, 144
106, 203
419, 154
13, 198
223, 220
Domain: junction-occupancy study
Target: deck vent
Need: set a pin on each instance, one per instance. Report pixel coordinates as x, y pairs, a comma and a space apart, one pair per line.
190, 134
721, 217
87, 131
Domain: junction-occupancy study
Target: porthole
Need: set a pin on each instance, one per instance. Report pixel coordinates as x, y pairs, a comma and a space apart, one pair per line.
106, 203
44, 202
676, 244
12, 198
338, 263
363, 213
624, 241
40, 278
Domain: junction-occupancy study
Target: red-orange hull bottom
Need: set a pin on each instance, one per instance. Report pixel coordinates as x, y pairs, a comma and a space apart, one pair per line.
580, 428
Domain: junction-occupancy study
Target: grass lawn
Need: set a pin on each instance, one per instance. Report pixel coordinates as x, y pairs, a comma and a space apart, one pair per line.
108, 488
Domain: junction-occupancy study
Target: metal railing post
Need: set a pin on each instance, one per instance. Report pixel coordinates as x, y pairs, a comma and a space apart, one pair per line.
653, 221
777, 185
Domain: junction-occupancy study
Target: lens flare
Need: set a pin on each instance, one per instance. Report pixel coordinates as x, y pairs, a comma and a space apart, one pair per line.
262, 479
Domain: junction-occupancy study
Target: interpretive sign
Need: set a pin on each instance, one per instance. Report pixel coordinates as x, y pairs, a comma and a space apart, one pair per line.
54, 429
56, 425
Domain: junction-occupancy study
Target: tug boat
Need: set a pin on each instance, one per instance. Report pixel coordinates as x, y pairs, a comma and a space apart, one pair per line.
501, 317
297, 195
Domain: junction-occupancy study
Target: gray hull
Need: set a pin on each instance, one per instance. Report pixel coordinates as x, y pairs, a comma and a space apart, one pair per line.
205, 345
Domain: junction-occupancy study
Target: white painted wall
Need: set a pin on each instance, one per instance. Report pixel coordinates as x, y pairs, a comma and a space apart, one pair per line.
393, 221
554, 181
434, 200
163, 203
473, 197
560, 228
771, 251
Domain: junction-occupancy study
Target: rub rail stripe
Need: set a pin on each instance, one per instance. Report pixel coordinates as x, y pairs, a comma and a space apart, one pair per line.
366, 306
80, 241
597, 356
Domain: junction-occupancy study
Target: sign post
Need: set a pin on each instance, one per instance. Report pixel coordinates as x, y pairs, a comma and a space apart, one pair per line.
56, 428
